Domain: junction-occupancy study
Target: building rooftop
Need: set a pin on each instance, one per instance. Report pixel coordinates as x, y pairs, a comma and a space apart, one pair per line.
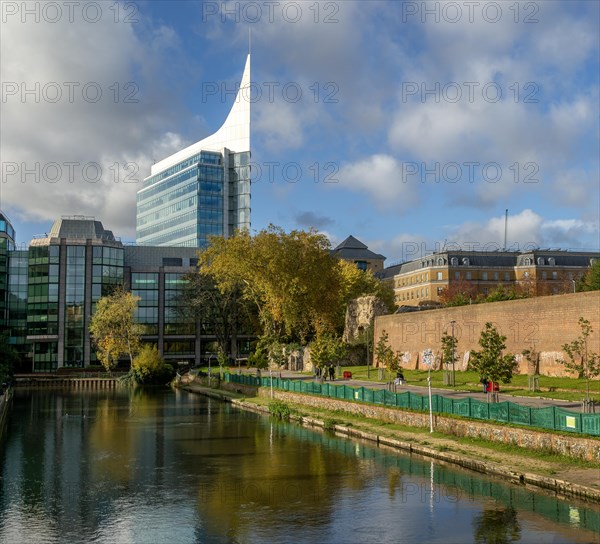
353, 249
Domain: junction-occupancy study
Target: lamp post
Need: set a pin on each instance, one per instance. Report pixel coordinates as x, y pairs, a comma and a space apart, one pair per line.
574, 284
428, 360
368, 361
209, 375
452, 323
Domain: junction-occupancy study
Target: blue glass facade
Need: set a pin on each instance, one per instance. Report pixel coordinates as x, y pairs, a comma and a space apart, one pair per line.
205, 195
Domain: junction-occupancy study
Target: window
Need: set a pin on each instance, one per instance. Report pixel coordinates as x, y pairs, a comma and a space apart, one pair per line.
454, 261
484, 276
439, 276
172, 261
551, 261
496, 276
465, 261
456, 275
485, 290
468, 275
554, 275
361, 265
544, 275
506, 276
439, 290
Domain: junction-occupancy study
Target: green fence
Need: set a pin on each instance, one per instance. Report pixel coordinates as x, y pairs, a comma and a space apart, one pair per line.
553, 417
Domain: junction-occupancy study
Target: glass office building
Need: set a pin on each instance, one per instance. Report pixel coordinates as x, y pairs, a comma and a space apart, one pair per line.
202, 190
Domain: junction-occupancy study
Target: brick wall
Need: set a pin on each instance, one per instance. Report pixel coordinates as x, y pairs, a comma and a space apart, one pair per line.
544, 323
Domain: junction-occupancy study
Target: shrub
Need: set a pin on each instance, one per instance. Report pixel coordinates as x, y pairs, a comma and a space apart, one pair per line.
280, 410
149, 368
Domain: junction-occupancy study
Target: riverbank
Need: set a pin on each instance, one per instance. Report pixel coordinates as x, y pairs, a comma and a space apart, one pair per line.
559, 474
5, 399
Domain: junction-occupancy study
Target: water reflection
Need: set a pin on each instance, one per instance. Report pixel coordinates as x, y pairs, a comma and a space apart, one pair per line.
150, 466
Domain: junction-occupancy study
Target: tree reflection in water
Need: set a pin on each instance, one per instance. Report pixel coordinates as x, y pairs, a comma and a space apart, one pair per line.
497, 526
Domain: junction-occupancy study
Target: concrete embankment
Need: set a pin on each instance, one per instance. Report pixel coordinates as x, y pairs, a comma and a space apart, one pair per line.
558, 486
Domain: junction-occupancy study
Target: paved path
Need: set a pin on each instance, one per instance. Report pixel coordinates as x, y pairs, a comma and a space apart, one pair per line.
537, 402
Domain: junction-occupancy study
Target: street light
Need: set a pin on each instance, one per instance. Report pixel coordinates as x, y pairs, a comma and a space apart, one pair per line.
452, 323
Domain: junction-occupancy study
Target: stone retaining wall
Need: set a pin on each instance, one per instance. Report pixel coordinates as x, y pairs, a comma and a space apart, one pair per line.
542, 323
582, 448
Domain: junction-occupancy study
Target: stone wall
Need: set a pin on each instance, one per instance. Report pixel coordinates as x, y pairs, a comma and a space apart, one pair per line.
360, 313
541, 323
574, 446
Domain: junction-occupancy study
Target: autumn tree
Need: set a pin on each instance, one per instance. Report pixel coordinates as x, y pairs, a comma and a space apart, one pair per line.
149, 368
291, 278
355, 283
449, 355
385, 355
327, 349
113, 328
224, 310
591, 280
581, 360
489, 362
458, 293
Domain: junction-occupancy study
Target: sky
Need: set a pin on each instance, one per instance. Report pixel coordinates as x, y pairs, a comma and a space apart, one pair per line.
412, 126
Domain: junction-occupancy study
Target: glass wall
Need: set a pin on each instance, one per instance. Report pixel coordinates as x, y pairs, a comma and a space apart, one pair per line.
42, 305
17, 306
145, 285
175, 322
74, 306
184, 204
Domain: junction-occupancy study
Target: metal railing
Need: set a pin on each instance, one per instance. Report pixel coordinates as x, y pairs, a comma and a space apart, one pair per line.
552, 417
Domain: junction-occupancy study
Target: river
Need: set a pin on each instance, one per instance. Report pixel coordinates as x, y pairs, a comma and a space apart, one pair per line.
153, 466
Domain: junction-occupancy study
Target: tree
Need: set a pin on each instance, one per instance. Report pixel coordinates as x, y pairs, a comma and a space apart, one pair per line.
489, 361
355, 283
587, 365
449, 354
385, 355
9, 358
327, 349
290, 277
149, 368
113, 328
591, 279
459, 293
225, 311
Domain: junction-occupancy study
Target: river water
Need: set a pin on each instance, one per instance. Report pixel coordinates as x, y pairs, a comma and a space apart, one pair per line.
159, 466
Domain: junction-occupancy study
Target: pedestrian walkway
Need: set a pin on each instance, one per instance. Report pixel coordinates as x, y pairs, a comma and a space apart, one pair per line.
536, 402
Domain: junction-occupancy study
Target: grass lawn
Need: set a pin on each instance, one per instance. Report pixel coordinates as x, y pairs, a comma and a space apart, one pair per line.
550, 387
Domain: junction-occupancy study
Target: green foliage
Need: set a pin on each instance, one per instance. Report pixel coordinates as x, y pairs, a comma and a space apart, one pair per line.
298, 289
113, 328
449, 355
385, 355
355, 283
280, 410
290, 277
591, 280
228, 313
585, 363
259, 357
149, 368
327, 349
8, 359
489, 361
329, 424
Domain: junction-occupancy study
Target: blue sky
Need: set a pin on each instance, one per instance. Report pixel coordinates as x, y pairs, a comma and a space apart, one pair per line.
407, 124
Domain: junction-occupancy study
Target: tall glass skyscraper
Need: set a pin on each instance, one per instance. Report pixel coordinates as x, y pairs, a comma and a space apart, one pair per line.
203, 189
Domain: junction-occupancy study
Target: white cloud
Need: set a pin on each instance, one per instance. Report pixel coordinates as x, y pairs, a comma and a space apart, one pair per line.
96, 102
527, 229
381, 177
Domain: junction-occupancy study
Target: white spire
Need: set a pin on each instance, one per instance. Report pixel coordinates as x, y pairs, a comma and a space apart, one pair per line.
234, 134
